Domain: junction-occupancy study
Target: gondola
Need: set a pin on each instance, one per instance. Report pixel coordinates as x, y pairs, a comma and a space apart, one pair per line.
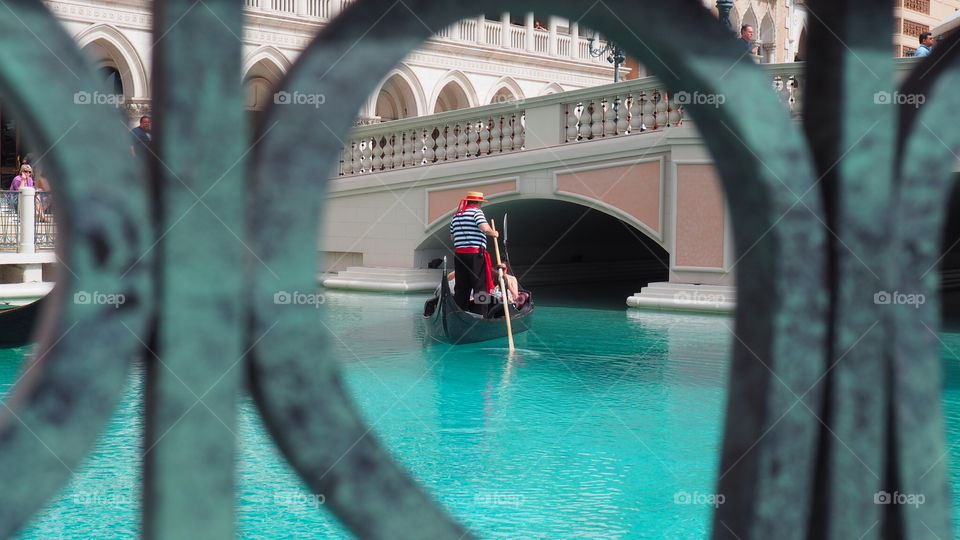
446, 322
17, 324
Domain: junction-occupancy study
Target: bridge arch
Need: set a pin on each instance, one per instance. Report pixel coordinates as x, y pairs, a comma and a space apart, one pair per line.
108, 47
504, 90
559, 238
455, 91
400, 95
262, 70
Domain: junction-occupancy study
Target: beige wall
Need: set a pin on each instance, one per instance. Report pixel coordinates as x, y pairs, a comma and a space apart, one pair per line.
911, 17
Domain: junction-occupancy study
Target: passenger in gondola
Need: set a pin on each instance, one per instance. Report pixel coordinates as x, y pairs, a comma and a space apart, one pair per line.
469, 230
513, 289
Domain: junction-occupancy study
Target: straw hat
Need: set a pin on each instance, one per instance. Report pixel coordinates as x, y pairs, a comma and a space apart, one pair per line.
475, 196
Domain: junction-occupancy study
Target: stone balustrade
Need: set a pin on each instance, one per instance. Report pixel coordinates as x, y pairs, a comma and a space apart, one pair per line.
450, 136
479, 31
614, 110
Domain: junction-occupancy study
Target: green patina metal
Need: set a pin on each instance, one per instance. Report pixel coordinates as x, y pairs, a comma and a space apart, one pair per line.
833, 398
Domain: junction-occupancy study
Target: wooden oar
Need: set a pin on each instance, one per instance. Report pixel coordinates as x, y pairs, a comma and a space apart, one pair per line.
503, 289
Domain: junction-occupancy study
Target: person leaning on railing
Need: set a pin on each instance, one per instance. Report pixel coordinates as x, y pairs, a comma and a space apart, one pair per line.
25, 179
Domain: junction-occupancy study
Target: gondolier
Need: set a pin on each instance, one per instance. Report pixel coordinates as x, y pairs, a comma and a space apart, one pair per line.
469, 230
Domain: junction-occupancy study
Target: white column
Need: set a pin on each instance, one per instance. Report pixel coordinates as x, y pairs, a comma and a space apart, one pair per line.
335, 8
27, 210
481, 30
552, 47
528, 32
574, 40
300, 8
505, 30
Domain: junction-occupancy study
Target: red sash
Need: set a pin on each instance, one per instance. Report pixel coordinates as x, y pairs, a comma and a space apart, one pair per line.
486, 262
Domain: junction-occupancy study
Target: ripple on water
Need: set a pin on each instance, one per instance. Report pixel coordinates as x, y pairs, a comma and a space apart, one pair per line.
590, 429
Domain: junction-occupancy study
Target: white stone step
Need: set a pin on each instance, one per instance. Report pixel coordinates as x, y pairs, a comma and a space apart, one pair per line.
398, 280
18, 294
685, 297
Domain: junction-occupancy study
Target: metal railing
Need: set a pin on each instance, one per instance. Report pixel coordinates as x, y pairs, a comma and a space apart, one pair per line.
27, 221
45, 227
9, 220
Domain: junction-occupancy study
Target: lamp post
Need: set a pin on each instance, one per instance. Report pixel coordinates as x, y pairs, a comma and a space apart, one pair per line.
616, 56
723, 8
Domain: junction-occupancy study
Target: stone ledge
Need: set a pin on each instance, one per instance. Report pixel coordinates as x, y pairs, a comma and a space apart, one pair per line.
685, 297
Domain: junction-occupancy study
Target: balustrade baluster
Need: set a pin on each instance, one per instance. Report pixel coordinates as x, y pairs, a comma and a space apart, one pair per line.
367, 162
429, 143
495, 134
441, 146
572, 121
472, 135
519, 134
662, 111
673, 111
451, 143
586, 121
354, 157
636, 117
407, 149
387, 153
463, 137
484, 145
507, 143
377, 151
621, 114
596, 120
649, 108
609, 118
398, 150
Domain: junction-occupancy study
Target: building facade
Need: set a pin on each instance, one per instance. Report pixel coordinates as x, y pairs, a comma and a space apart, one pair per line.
490, 59
913, 17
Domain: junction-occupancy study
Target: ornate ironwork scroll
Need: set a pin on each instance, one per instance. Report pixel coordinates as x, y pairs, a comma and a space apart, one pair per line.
833, 397
69, 390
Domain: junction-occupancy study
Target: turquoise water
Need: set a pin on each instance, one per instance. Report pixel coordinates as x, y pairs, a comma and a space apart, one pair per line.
603, 426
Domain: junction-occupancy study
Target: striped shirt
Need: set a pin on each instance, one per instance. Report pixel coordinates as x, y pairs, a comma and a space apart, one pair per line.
465, 229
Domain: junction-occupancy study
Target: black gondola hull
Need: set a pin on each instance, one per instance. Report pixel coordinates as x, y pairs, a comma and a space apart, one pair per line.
447, 323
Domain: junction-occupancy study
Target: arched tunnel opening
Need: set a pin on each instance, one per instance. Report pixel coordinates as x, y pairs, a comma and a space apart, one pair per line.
569, 254
950, 263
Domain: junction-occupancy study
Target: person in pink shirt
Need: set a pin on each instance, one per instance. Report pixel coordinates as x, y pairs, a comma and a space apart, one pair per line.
24, 179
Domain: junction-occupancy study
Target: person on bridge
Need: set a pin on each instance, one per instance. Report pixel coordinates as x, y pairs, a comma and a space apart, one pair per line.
471, 261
